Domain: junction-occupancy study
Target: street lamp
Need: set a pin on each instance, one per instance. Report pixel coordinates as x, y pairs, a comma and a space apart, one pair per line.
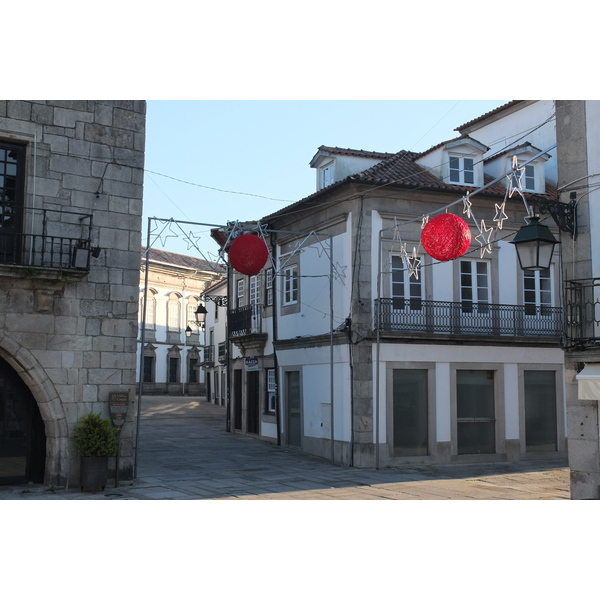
200, 313
534, 244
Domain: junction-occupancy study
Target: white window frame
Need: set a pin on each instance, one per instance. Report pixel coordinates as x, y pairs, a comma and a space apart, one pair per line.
240, 293
540, 295
271, 391
327, 174
458, 174
269, 287
254, 290
480, 294
410, 286
290, 285
173, 314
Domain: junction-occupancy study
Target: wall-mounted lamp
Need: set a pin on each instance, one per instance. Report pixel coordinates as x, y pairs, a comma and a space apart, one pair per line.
188, 331
535, 242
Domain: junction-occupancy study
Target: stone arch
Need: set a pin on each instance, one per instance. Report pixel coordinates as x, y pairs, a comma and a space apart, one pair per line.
49, 404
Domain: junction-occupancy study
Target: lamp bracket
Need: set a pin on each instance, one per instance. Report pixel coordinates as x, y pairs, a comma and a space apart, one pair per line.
564, 214
218, 300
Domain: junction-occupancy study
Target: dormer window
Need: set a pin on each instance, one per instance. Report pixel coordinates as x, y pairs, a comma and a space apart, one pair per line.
462, 170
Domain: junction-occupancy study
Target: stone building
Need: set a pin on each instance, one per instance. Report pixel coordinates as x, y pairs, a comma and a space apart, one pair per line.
71, 180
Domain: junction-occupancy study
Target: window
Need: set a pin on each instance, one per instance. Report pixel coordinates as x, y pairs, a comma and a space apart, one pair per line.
327, 175
474, 286
462, 170
240, 293
529, 177
540, 411
290, 285
254, 290
150, 310
406, 289
269, 287
173, 313
12, 194
271, 391
537, 292
192, 306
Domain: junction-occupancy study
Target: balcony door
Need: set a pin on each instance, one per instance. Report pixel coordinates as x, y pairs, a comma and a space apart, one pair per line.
538, 300
12, 185
475, 296
407, 295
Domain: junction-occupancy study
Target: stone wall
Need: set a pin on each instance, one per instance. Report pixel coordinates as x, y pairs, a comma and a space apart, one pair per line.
72, 336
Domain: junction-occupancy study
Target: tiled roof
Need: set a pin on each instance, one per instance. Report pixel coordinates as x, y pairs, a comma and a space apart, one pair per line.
401, 170
181, 260
353, 152
488, 114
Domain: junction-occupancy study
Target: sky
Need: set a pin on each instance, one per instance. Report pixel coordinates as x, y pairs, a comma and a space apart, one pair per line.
216, 161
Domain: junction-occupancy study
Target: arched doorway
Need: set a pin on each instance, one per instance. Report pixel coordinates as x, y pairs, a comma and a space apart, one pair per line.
22, 433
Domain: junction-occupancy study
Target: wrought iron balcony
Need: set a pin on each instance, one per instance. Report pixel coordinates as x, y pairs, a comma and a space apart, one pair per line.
245, 320
582, 314
45, 238
468, 318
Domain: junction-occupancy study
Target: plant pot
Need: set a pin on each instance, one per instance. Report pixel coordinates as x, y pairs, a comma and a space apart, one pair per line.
93, 473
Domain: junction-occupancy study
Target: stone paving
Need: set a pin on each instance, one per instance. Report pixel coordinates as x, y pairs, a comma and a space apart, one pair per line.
186, 454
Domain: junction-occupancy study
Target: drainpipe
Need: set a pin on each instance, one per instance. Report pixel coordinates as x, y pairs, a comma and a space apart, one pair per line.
275, 362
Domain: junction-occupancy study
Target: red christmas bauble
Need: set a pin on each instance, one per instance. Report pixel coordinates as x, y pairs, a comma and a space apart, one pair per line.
248, 254
446, 237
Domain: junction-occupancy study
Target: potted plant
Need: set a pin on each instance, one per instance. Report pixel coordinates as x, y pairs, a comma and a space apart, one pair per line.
96, 440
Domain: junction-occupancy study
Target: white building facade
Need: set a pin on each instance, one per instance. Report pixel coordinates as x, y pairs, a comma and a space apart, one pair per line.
344, 348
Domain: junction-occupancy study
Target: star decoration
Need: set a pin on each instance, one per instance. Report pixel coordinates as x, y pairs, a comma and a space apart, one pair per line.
162, 236
500, 214
514, 179
483, 238
424, 221
414, 263
467, 207
339, 271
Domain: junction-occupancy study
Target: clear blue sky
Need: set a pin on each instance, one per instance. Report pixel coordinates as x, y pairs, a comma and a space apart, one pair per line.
258, 152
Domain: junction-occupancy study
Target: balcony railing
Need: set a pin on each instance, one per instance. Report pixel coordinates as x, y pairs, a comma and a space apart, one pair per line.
468, 318
44, 238
582, 314
245, 320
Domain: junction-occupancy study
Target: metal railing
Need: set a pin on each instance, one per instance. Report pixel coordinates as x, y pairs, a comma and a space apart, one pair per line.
244, 320
44, 238
582, 313
468, 318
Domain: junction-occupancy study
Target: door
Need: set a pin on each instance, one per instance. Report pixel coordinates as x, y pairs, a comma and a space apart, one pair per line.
410, 424
252, 401
540, 411
475, 296
237, 399
22, 436
294, 410
475, 411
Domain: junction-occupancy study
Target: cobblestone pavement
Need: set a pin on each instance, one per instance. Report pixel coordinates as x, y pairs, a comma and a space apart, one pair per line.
185, 453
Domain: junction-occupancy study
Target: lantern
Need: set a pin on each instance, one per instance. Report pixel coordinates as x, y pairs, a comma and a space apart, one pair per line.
446, 237
248, 254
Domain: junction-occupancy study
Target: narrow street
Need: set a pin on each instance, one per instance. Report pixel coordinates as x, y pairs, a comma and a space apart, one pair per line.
186, 454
